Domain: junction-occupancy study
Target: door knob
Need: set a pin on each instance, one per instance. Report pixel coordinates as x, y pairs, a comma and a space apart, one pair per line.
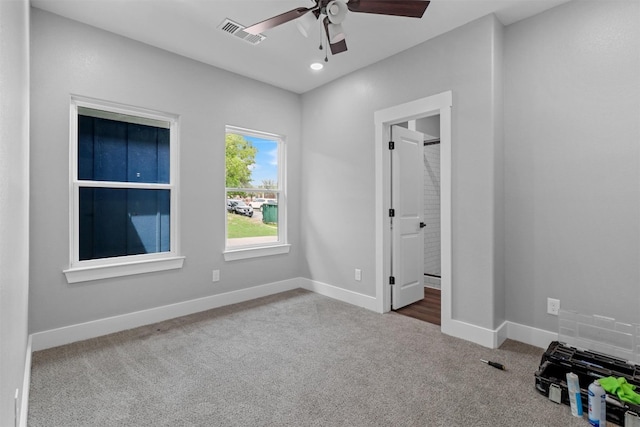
423, 225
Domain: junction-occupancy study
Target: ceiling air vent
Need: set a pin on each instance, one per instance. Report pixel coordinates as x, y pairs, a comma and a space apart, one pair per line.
235, 29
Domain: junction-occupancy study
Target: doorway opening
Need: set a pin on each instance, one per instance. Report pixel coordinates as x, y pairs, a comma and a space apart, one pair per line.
427, 307
437, 105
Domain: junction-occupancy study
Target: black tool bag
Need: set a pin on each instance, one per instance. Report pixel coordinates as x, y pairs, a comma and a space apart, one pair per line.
560, 359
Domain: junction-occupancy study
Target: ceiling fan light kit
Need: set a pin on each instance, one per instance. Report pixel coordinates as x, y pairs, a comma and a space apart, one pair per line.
335, 12
305, 23
336, 33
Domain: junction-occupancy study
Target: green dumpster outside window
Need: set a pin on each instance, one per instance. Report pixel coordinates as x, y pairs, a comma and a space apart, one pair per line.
270, 213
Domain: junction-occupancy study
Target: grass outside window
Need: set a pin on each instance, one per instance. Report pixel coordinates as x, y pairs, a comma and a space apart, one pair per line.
239, 226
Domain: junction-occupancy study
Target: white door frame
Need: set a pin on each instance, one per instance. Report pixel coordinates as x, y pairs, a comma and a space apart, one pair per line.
439, 104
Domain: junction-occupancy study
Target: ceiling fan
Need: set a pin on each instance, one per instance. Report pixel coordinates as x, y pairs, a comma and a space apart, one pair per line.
335, 12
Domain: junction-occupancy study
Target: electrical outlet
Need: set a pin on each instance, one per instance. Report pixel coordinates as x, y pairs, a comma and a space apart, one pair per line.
553, 306
358, 274
215, 276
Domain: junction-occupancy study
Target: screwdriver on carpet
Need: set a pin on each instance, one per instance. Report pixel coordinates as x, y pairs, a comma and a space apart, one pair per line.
494, 364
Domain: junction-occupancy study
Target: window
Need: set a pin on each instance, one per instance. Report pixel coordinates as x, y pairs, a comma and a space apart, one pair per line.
255, 194
123, 191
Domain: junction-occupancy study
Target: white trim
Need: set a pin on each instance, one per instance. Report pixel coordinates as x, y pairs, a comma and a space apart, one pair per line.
467, 331
424, 107
122, 184
26, 384
255, 252
95, 328
127, 110
493, 338
530, 335
340, 294
126, 268
68, 334
502, 333
126, 118
250, 132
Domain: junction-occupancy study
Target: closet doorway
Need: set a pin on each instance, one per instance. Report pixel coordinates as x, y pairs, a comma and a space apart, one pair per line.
428, 309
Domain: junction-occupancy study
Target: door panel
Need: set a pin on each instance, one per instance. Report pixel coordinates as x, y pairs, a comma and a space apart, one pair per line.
407, 200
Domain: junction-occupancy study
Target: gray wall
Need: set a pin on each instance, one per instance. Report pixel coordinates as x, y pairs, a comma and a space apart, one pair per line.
338, 164
14, 200
72, 58
572, 132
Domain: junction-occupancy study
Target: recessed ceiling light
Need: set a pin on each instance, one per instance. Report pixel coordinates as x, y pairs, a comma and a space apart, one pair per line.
316, 66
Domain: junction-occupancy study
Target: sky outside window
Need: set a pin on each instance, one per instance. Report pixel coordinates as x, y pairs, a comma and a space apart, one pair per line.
266, 165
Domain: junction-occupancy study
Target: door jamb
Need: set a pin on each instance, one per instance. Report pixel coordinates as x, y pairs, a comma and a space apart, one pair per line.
432, 105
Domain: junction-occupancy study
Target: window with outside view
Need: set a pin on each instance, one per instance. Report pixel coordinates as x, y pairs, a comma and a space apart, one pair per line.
254, 189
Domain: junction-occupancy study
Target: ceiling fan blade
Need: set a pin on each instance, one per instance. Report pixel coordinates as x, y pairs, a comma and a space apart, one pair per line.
337, 47
408, 8
277, 20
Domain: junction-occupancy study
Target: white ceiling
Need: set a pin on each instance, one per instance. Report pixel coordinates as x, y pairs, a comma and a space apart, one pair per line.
190, 28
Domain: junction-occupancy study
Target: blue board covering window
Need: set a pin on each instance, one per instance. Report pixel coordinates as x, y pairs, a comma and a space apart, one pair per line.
116, 221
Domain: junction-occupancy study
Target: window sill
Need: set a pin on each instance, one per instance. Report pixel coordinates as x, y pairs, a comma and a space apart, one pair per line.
245, 253
85, 274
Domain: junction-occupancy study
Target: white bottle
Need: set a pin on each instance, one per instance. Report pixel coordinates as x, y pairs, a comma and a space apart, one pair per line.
597, 405
575, 399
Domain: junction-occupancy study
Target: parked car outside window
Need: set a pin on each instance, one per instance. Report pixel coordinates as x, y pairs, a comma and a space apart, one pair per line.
242, 208
257, 203
231, 204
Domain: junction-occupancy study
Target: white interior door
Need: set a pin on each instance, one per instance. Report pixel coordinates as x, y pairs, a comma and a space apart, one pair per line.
407, 202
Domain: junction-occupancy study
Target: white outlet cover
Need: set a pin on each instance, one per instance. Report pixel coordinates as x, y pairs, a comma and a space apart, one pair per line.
553, 306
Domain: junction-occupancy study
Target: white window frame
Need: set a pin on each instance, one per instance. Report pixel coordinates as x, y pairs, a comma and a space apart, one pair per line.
281, 246
81, 271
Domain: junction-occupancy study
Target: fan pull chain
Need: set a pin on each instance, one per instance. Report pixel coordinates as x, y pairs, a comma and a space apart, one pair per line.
326, 55
326, 51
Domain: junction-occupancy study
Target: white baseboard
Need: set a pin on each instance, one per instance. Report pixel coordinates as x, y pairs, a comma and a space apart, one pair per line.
486, 337
494, 338
82, 331
530, 335
470, 332
340, 294
502, 333
26, 383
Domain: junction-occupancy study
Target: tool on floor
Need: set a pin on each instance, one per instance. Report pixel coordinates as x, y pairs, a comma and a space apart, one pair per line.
494, 364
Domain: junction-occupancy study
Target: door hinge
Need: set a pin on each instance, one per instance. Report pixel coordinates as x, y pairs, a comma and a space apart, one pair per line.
392, 280
392, 145
392, 213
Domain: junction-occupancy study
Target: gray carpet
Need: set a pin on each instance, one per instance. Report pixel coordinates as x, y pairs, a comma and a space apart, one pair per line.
294, 359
